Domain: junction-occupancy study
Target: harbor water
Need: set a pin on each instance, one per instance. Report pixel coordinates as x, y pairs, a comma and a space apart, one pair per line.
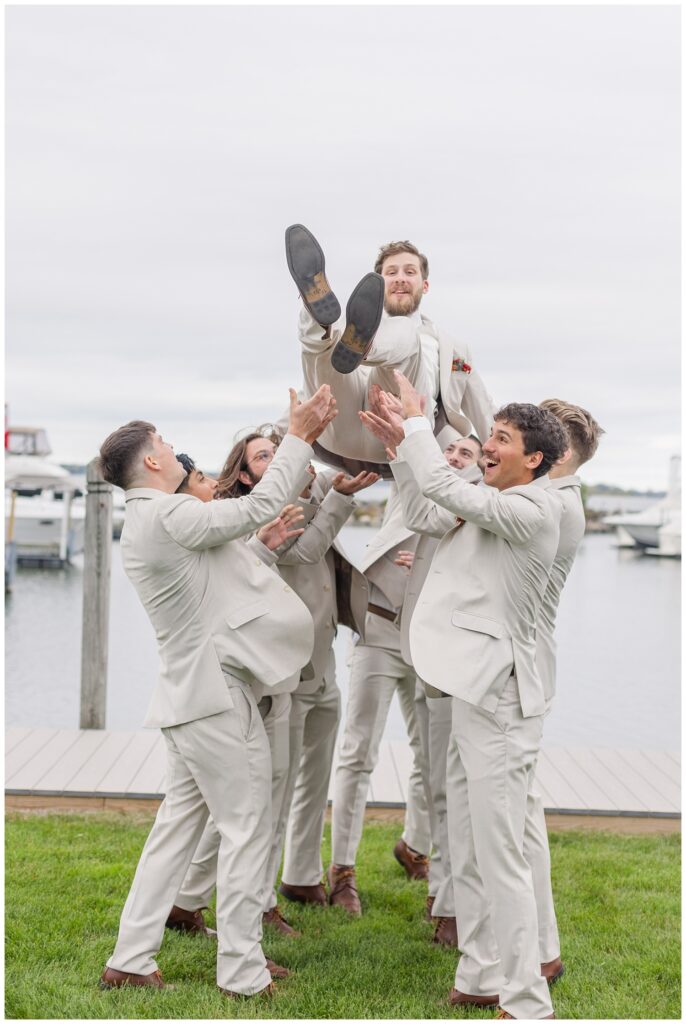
618, 650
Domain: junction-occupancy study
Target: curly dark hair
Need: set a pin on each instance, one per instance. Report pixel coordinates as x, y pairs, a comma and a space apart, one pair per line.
541, 432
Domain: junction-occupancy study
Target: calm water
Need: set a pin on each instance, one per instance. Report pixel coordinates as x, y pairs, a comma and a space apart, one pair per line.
618, 635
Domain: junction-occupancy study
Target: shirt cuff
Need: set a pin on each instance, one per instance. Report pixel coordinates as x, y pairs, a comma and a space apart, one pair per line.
415, 423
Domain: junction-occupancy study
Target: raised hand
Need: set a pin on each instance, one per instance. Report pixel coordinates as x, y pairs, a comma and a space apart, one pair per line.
345, 484
412, 402
387, 432
307, 420
281, 529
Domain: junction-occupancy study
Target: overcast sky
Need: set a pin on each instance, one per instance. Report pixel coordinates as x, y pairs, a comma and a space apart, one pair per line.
155, 156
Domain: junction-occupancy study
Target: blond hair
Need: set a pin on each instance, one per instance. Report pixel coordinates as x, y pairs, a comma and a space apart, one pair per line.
584, 432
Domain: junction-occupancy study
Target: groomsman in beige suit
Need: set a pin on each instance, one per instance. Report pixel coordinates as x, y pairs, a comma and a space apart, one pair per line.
473, 635
433, 710
377, 671
245, 466
335, 593
384, 331
216, 643
565, 487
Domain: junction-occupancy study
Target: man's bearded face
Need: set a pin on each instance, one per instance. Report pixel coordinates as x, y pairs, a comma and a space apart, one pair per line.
404, 284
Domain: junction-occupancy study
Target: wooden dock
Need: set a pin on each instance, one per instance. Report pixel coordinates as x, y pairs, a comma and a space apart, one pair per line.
99, 768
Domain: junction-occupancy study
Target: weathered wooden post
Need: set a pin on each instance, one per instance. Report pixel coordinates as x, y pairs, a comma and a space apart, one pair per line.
97, 562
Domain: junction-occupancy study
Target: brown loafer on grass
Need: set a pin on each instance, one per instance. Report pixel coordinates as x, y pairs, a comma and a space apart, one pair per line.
275, 919
304, 893
553, 970
121, 979
190, 921
458, 998
343, 889
268, 990
415, 865
277, 972
445, 933
362, 316
306, 264
430, 900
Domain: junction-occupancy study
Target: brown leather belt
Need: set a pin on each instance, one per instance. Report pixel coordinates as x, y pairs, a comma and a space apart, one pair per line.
376, 609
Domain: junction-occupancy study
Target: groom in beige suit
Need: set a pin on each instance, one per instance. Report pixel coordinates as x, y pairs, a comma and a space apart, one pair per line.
441, 368
473, 636
215, 643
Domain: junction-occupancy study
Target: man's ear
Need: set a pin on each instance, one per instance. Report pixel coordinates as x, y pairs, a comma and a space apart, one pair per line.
534, 460
565, 457
425, 286
244, 478
150, 462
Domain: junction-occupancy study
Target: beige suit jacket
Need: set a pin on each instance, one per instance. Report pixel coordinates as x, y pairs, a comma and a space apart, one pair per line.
475, 619
463, 395
567, 491
211, 600
320, 573
418, 513
379, 568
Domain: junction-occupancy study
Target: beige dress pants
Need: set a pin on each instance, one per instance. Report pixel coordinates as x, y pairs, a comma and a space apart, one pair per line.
200, 882
434, 717
491, 761
220, 766
375, 675
314, 725
396, 346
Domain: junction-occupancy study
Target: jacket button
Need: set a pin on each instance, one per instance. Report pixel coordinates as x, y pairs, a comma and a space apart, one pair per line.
327, 587
287, 589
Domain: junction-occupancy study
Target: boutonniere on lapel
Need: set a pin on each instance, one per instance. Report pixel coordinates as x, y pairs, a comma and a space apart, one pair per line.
460, 364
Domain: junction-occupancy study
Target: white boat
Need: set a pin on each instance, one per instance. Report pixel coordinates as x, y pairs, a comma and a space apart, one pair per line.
43, 520
657, 529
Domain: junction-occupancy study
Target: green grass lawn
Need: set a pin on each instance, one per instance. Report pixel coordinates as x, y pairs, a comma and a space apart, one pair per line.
68, 876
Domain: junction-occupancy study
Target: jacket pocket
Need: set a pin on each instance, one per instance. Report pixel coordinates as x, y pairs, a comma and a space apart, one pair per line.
246, 613
479, 624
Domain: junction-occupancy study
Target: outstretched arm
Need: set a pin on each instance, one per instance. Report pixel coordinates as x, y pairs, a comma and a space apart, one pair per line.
514, 517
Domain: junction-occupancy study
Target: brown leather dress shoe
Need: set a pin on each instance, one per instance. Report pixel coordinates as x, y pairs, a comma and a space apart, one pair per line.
277, 971
464, 999
119, 979
190, 921
268, 990
343, 889
553, 970
304, 893
445, 933
430, 900
416, 865
275, 919
306, 264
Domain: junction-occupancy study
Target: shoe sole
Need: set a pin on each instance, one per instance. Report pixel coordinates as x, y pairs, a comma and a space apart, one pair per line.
363, 316
306, 264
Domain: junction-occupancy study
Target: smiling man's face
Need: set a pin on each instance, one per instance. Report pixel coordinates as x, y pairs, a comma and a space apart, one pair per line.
405, 286
505, 462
